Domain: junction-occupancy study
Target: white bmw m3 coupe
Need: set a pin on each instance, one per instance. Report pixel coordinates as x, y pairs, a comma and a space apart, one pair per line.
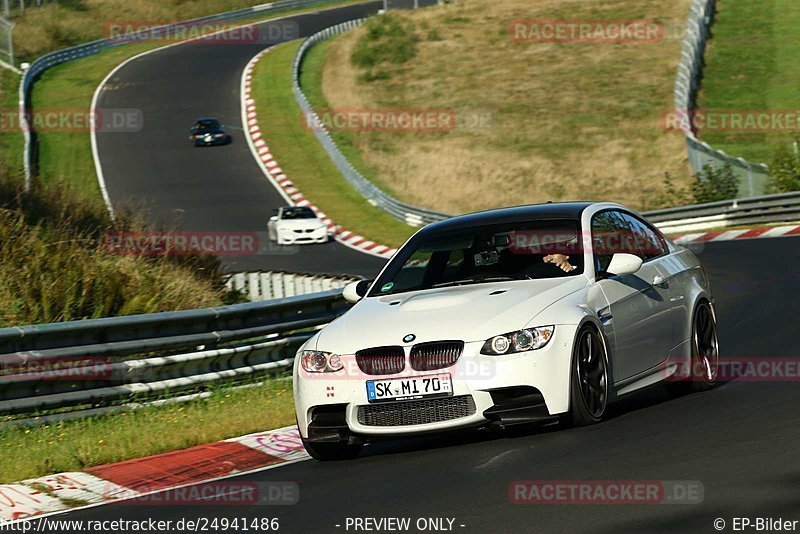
509, 316
297, 225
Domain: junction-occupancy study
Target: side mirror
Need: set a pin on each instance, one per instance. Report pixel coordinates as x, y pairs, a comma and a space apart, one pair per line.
355, 291
622, 264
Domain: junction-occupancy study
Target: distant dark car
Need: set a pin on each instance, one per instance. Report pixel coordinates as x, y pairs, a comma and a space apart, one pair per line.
208, 131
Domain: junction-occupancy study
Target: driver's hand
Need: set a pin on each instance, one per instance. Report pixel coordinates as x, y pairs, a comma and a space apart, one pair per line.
561, 261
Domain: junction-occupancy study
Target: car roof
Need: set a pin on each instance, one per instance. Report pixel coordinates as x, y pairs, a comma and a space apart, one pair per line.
550, 210
207, 119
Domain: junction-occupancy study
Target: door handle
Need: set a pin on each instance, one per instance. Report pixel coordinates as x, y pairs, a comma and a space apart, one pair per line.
658, 280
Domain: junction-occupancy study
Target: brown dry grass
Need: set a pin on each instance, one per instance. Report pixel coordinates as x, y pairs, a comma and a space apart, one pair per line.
61, 24
571, 120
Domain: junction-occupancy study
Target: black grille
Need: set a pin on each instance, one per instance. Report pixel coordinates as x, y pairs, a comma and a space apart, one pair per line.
381, 360
416, 412
436, 355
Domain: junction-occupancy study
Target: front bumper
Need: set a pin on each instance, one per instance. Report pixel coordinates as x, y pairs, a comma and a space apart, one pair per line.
202, 141
292, 237
507, 389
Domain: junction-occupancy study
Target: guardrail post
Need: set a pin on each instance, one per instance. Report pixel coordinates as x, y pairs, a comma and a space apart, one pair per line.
277, 285
266, 286
253, 280
239, 282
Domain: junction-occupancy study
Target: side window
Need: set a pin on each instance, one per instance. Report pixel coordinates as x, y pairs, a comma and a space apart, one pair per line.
610, 235
646, 243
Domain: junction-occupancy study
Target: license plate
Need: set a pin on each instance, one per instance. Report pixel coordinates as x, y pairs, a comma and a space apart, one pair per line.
418, 387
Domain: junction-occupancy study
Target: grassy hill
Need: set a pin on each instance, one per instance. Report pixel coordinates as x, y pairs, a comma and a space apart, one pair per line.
558, 120
752, 65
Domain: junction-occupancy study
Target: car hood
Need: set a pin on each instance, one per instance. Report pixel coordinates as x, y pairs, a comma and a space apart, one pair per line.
301, 224
468, 313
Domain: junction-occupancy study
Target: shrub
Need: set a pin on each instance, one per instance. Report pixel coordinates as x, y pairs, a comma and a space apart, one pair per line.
714, 183
785, 170
389, 40
54, 265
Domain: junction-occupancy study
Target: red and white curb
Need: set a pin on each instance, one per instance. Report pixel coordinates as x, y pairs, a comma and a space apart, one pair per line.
282, 183
730, 235
143, 476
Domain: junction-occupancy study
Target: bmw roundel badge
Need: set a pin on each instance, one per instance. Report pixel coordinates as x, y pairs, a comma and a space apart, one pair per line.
409, 338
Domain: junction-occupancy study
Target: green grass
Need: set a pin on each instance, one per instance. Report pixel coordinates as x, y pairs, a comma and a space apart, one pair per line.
11, 141
545, 121
753, 63
77, 445
346, 140
304, 160
66, 156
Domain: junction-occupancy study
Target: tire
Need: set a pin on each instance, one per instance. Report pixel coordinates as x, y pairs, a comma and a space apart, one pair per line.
331, 451
589, 378
705, 348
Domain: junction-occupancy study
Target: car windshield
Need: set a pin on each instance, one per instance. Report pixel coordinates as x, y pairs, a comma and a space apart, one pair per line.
207, 125
299, 213
483, 254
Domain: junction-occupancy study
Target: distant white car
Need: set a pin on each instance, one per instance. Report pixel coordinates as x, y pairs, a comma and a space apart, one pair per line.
295, 225
505, 317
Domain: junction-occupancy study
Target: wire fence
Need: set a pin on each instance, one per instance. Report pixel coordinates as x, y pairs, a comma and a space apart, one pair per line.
413, 215
7, 43
752, 177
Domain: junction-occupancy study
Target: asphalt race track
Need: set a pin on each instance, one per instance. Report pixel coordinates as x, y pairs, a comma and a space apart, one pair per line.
157, 172
740, 440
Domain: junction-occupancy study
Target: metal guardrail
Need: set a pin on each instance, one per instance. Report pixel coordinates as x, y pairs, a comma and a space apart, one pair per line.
81, 368
752, 176
413, 215
84, 365
784, 207
58, 57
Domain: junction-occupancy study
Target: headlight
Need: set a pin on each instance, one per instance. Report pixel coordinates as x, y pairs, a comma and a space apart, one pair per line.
519, 341
314, 361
